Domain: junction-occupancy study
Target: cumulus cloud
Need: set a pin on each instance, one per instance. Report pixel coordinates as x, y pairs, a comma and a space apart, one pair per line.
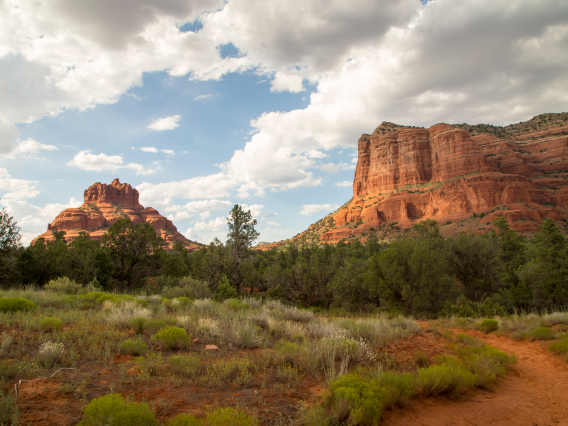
309, 209
149, 149
214, 228
344, 183
16, 189
206, 96
166, 123
168, 151
29, 148
101, 162
255, 209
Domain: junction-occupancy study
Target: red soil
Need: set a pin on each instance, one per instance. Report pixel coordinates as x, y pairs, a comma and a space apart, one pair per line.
534, 392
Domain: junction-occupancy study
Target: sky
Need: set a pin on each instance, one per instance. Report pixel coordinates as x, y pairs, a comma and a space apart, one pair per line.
202, 104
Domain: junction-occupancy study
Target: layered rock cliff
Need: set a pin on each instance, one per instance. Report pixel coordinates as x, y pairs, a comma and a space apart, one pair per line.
105, 204
407, 174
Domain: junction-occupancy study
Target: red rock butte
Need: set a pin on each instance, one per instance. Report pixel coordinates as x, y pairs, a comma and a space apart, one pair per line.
408, 174
103, 205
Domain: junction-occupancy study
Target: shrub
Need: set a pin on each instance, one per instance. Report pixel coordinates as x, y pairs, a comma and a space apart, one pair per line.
208, 327
421, 359
184, 420
485, 367
185, 365
9, 411
122, 313
489, 325
172, 337
7, 339
466, 339
137, 324
50, 324
150, 364
229, 417
153, 325
133, 347
449, 378
401, 388
236, 304
542, 333
13, 304
225, 290
63, 285
50, 352
558, 348
114, 410
244, 334
188, 287
362, 396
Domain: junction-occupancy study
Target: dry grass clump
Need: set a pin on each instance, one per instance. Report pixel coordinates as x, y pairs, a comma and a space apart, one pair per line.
208, 327
122, 313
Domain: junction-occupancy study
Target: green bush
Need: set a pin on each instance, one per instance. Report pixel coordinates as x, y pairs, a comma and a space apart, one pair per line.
421, 359
133, 347
185, 365
449, 378
13, 304
225, 290
236, 304
63, 285
138, 323
150, 364
9, 411
184, 420
542, 333
485, 367
153, 325
401, 387
188, 287
489, 325
172, 337
466, 339
229, 417
558, 348
50, 324
114, 410
362, 396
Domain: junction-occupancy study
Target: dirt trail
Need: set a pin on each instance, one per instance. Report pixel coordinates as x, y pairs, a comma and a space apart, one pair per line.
534, 392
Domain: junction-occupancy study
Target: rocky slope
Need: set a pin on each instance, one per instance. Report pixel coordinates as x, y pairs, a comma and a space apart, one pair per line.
105, 204
460, 175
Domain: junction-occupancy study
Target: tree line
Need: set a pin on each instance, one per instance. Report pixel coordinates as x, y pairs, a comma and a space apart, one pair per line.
422, 273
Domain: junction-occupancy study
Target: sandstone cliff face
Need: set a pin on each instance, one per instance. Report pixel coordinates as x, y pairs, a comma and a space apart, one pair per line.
407, 174
103, 205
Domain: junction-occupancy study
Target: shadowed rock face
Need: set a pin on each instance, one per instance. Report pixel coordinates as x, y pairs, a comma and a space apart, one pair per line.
406, 174
103, 205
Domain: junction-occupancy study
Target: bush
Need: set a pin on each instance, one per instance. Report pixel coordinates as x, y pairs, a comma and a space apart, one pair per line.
225, 290
153, 325
50, 352
150, 364
489, 325
50, 324
449, 378
362, 396
13, 304
184, 420
542, 333
485, 367
114, 410
133, 347
172, 337
236, 304
137, 324
401, 388
9, 411
558, 348
229, 417
421, 359
188, 287
63, 285
185, 365
466, 339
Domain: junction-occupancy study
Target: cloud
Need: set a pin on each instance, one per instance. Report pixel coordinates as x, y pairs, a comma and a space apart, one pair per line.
344, 183
269, 215
205, 215
215, 228
168, 151
255, 209
166, 123
273, 223
149, 149
16, 189
212, 186
180, 216
287, 82
29, 148
207, 96
101, 162
309, 209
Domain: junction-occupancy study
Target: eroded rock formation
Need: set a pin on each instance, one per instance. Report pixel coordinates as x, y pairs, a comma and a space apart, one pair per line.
105, 204
407, 174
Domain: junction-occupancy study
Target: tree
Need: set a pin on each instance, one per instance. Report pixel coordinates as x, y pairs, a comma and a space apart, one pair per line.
134, 249
9, 233
239, 239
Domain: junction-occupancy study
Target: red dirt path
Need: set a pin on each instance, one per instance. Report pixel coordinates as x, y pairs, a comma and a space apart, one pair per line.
534, 392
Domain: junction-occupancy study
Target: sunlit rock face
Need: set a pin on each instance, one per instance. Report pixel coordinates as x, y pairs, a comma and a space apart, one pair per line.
459, 175
103, 205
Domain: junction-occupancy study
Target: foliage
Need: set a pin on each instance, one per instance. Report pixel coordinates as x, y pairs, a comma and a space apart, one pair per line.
559, 348
63, 285
225, 290
489, 325
185, 365
50, 324
188, 287
421, 359
133, 347
229, 416
184, 420
450, 378
114, 410
9, 411
14, 304
172, 337
542, 333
